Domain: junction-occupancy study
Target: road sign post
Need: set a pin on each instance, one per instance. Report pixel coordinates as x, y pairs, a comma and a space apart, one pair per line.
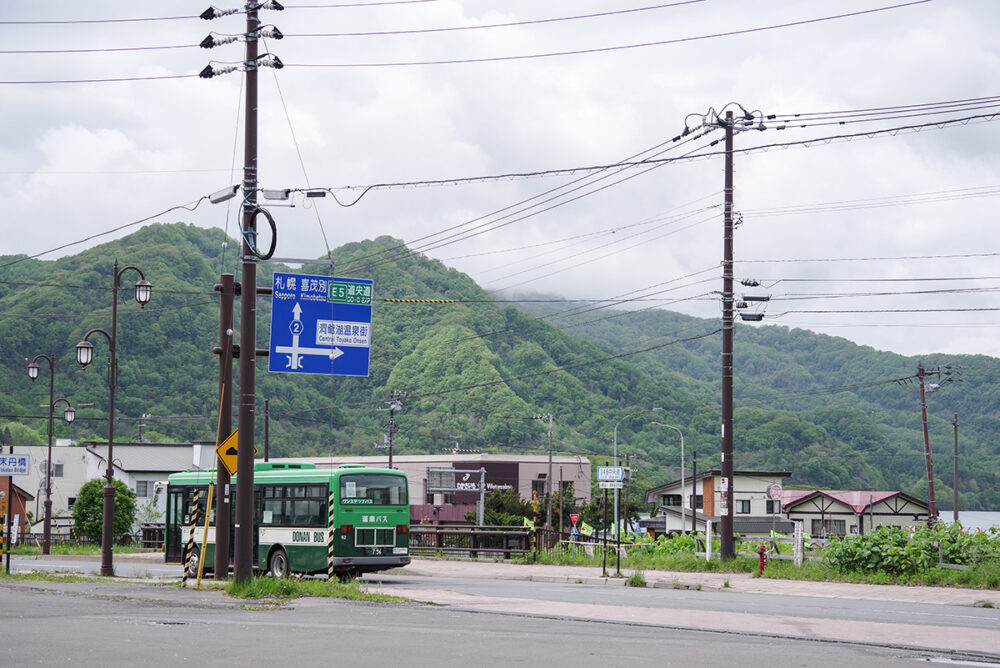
320, 325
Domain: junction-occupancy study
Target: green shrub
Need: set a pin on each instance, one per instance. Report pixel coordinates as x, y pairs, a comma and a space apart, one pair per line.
895, 552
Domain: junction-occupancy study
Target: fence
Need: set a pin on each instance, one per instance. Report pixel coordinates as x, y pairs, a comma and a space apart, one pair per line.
471, 540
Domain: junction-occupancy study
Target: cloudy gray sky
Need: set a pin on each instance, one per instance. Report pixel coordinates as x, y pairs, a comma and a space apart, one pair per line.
79, 159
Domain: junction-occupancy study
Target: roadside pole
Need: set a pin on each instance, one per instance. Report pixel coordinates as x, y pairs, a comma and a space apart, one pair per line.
604, 561
222, 503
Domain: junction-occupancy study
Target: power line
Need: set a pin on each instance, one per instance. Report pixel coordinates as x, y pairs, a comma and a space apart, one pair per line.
83, 21
119, 49
106, 80
576, 237
890, 310
877, 202
663, 220
577, 52
485, 26
842, 295
848, 113
606, 255
872, 259
549, 197
613, 301
359, 4
690, 157
567, 367
187, 207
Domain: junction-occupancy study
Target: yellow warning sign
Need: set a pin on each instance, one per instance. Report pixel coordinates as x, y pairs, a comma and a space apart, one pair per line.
227, 452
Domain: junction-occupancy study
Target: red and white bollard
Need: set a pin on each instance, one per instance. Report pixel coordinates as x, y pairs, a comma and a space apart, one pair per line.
762, 551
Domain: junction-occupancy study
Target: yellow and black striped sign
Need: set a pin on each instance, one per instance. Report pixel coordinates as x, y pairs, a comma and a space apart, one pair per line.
420, 301
190, 542
329, 541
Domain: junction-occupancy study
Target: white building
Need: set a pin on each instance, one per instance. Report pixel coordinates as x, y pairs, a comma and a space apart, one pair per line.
707, 496
142, 467
524, 473
846, 512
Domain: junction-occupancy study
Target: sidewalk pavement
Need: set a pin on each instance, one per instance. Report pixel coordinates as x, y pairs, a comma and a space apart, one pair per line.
736, 582
704, 581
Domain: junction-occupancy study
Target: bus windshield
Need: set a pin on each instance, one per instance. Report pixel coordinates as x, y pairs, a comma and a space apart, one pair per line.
373, 489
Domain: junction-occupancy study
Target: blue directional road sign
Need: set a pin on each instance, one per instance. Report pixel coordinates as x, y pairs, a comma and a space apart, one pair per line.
320, 325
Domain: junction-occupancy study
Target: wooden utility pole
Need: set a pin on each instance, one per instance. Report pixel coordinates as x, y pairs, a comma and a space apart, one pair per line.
726, 544
694, 492
954, 473
395, 404
243, 554
931, 503
223, 531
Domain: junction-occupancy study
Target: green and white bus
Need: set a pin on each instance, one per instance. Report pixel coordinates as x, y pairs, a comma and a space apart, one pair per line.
291, 516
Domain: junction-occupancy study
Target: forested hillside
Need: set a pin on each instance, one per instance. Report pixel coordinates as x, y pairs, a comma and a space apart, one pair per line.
825, 408
477, 371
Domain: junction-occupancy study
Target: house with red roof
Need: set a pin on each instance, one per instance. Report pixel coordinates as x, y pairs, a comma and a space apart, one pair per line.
826, 512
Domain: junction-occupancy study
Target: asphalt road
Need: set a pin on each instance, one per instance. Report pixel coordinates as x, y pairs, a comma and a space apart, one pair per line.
102, 624
935, 618
590, 623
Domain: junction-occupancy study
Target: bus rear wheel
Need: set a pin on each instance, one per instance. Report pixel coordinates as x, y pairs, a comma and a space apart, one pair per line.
278, 564
348, 575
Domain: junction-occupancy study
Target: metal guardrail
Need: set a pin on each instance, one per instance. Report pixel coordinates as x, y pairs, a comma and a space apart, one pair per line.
472, 540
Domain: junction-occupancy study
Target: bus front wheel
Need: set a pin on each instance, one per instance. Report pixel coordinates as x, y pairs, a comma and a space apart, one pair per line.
278, 564
192, 564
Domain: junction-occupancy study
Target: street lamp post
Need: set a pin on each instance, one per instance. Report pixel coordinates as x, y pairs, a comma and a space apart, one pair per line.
85, 355
648, 410
68, 415
681, 434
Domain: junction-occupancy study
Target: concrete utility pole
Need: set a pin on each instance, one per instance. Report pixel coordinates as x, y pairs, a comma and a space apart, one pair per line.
954, 473
726, 544
395, 404
694, 492
243, 553
548, 482
931, 503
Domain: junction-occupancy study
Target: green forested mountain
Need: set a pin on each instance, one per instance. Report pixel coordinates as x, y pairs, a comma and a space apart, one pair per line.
477, 370
834, 413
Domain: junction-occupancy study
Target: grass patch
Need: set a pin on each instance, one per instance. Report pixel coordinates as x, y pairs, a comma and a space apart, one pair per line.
64, 549
45, 576
637, 579
985, 575
263, 588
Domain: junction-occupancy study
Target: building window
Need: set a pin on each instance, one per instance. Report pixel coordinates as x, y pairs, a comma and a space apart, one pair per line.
824, 528
57, 471
696, 501
743, 506
142, 488
671, 499
70, 502
539, 487
773, 507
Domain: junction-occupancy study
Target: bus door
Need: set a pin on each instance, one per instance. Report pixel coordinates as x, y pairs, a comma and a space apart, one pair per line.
256, 526
174, 550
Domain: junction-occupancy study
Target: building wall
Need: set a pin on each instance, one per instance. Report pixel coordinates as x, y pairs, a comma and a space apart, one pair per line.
70, 461
896, 512
529, 469
752, 488
708, 496
18, 506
